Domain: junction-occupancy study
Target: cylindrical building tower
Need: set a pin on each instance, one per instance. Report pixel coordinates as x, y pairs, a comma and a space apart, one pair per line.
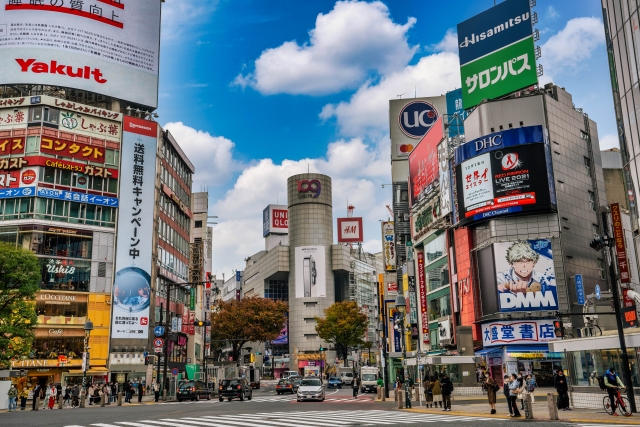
311, 285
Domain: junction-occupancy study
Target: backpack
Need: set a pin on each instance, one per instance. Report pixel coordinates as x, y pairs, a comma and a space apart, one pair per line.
496, 387
601, 383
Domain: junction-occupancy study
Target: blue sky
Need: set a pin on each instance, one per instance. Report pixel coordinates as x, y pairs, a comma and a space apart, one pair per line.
256, 91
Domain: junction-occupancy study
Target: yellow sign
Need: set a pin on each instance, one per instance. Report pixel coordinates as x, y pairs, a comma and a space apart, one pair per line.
528, 355
60, 362
311, 357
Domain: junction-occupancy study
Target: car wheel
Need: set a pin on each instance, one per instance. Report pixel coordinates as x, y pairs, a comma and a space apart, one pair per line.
229, 399
278, 393
250, 396
197, 398
179, 400
221, 399
242, 397
298, 400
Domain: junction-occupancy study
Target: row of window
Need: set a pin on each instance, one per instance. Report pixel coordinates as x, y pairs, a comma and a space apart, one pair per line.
73, 179
171, 236
170, 208
57, 210
173, 158
172, 263
175, 186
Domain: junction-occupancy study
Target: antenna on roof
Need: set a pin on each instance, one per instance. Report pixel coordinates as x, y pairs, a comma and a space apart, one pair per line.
400, 96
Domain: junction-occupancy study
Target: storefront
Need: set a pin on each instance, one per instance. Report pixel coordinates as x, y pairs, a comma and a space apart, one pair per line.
43, 371
311, 364
128, 366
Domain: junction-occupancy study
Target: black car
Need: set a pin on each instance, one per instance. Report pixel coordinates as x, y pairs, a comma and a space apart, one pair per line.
193, 390
235, 388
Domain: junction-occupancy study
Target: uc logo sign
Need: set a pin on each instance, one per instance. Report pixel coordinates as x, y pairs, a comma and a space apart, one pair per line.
309, 188
416, 118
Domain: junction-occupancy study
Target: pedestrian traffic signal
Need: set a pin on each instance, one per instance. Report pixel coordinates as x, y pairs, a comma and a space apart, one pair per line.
146, 360
598, 243
558, 328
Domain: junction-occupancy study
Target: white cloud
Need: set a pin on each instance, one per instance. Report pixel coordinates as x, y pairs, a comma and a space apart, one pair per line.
609, 141
448, 44
568, 49
211, 155
179, 17
367, 111
552, 13
349, 43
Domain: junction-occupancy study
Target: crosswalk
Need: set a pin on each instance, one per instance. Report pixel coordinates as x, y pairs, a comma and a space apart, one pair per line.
295, 419
288, 398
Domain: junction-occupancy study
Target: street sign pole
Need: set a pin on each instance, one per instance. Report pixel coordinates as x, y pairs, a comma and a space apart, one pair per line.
158, 369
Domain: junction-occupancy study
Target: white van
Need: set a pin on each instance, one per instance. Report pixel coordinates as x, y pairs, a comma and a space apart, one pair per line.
290, 374
346, 378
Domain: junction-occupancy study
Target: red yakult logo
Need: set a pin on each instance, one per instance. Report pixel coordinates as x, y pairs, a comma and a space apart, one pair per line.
53, 67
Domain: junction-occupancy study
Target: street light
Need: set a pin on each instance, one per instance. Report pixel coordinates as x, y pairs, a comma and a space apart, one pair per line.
401, 307
88, 327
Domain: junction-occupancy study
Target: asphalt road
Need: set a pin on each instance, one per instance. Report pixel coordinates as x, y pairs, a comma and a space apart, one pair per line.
265, 409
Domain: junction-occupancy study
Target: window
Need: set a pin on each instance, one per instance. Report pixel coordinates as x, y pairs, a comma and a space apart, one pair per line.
595, 230
43, 114
601, 269
198, 224
404, 195
587, 165
592, 200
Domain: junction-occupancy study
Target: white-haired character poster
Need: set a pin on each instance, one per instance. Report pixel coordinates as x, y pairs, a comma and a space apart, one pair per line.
525, 276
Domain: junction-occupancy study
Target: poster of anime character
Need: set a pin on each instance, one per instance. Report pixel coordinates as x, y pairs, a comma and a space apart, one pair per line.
525, 275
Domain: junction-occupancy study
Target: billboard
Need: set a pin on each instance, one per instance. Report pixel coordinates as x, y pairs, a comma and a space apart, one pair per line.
275, 220
496, 52
389, 245
109, 47
501, 332
416, 118
409, 121
424, 171
283, 337
310, 272
350, 230
520, 274
422, 286
454, 106
618, 238
132, 284
504, 173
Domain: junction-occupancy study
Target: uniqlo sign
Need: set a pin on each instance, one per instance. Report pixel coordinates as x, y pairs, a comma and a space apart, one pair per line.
275, 220
618, 238
350, 230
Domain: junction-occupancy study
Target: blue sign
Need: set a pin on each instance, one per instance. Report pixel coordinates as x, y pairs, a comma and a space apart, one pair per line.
500, 140
174, 372
598, 291
493, 29
12, 193
72, 196
397, 338
158, 331
238, 275
416, 118
454, 105
579, 289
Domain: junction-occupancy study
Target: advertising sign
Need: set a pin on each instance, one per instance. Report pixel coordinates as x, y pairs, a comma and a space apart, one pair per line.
424, 172
73, 196
283, 338
12, 193
132, 284
397, 336
504, 173
9, 146
13, 118
629, 317
310, 272
501, 332
389, 245
18, 178
76, 150
416, 118
89, 125
579, 288
275, 220
454, 106
618, 238
445, 179
422, 289
525, 276
409, 121
497, 55
350, 230
392, 287
109, 47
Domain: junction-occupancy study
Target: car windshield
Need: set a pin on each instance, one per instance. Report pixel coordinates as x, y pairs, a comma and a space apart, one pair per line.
227, 383
186, 385
334, 379
368, 377
348, 374
311, 382
281, 382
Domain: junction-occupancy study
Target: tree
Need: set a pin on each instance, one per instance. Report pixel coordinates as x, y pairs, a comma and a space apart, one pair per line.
19, 279
344, 325
251, 319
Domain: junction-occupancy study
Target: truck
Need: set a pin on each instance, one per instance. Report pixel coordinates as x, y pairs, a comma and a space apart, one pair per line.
368, 379
346, 375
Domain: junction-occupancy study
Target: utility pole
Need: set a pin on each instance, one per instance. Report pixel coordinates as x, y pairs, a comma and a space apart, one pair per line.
165, 338
165, 378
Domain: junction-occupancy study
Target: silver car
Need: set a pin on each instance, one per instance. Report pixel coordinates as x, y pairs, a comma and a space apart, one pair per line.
311, 389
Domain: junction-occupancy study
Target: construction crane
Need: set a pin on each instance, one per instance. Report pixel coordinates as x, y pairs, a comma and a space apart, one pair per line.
390, 211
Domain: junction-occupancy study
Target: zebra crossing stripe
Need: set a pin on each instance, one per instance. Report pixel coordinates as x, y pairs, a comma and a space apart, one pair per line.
280, 422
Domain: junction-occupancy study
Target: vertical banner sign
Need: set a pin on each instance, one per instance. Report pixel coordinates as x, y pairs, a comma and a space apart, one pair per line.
192, 299
132, 284
389, 246
497, 54
579, 289
422, 286
618, 237
397, 344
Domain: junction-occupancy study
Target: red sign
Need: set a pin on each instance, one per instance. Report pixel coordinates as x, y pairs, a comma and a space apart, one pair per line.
618, 238
422, 286
76, 150
626, 301
11, 146
29, 177
88, 170
140, 126
207, 284
392, 287
280, 218
424, 169
350, 230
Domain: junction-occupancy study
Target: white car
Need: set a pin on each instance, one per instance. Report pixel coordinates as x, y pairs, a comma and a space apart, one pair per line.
311, 389
347, 378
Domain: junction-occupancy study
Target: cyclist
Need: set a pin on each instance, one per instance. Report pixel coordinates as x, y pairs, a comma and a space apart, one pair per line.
613, 382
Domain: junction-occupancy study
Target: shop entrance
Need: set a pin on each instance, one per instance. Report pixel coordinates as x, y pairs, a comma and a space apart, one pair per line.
543, 370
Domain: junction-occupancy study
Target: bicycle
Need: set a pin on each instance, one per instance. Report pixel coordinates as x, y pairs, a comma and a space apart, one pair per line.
621, 401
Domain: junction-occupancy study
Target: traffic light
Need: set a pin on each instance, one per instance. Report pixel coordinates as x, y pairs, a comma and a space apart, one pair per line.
258, 353
323, 349
558, 328
202, 323
146, 360
598, 243
252, 358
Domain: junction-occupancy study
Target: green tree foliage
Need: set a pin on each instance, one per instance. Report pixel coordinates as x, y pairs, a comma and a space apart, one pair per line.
343, 325
253, 319
19, 278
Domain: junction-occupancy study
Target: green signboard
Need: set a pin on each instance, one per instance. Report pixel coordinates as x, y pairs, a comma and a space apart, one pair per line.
192, 299
501, 72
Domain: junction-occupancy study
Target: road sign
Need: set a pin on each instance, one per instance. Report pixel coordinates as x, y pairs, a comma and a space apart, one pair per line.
174, 372
598, 291
158, 331
157, 349
158, 342
579, 288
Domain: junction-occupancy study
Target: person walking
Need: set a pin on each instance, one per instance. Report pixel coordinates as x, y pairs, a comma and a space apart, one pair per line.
114, 391
13, 395
24, 396
47, 394
447, 388
436, 391
75, 395
156, 391
36, 395
128, 390
491, 387
514, 389
66, 399
53, 394
58, 392
354, 386
90, 394
428, 393
407, 394
530, 384
505, 391
612, 382
140, 391
560, 383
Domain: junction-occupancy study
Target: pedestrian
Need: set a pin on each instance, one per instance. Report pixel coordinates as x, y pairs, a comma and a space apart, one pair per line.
58, 392
436, 391
36, 395
75, 395
13, 395
513, 396
106, 391
560, 383
531, 385
128, 390
140, 391
47, 394
446, 386
354, 386
114, 391
407, 394
91, 393
523, 391
24, 396
491, 387
612, 382
428, 393
66, 399
53, 394
156, 391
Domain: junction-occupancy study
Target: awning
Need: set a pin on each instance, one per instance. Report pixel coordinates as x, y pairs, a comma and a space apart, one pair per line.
449, 360
485, 351
91, 371
540, 348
